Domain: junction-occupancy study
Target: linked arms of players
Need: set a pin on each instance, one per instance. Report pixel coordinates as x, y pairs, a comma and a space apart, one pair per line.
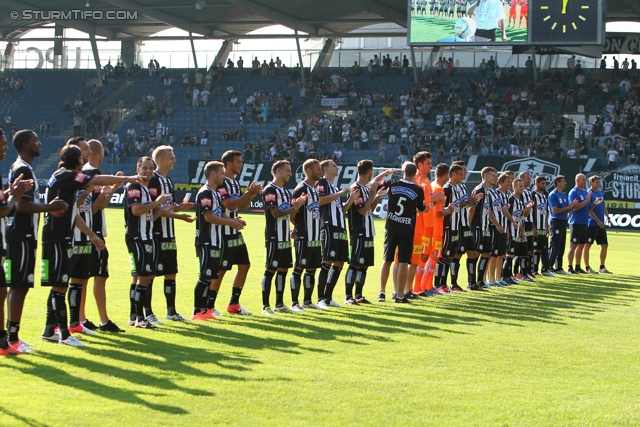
14, 192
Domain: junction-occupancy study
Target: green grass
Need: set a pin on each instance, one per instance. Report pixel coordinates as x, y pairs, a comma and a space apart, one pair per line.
428, 29
556, 352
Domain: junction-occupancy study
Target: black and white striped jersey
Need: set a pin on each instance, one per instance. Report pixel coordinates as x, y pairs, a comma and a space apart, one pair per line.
137, 227
208, 234
361, 225
307, 225
481, 218
20, 226
331, 214
504, 203
229, 190
276, 229
85, 213
452, 197
98, 222
496, 206
464, 197
527, 196
516, 209
163, 228
541, 210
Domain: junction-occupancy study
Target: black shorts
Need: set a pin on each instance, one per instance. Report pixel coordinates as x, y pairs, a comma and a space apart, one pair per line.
80, 262
100, 263
19, 264
278, 255
208, 262
308, 254
482, 239
404, 243
498, 243
141, 257
579, 233
165, 257
450, 242
233, 252
598, 235
467, 241
528, 232
541, 242
517, 248
55, 262
335, 246
361, 252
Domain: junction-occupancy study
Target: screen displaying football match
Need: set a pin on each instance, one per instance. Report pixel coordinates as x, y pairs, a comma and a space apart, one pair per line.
479, 22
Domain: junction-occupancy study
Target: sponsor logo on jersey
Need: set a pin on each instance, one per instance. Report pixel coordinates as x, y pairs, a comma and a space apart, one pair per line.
153, 191
269, 198
206, 202
284, 206
222, 191
80, 177
133, 193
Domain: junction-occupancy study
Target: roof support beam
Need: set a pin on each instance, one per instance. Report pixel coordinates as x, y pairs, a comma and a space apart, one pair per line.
161, 16
389, 13
276, 16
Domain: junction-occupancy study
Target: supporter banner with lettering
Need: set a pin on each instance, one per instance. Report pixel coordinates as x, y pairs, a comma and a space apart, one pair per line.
333, 102
622, 43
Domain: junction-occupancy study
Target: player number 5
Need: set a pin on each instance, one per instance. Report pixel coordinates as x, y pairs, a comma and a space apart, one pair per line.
400, 206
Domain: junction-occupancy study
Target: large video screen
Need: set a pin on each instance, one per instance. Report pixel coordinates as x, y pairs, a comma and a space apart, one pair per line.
506, 22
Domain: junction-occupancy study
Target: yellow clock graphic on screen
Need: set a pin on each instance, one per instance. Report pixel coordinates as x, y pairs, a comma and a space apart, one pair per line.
564, 20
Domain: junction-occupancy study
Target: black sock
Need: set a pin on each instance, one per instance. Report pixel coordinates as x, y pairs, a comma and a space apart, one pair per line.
322, 279
516, 264
13, 329
132, 301
471, 269
141, 295
523, 266
455, 268
361, 276
545, 260
602, 266
349, 280
74, 296
507, 267
170, 296
332, 280
536, 261
235, 295
266, 288
309, 281
577, 266
50, 323
482, 267
295, 280
200, 297
281, 277
4, 344
212, 295
59, 304
146, 303
444, 272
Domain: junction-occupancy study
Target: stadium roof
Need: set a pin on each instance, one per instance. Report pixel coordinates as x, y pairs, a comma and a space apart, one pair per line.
231, 19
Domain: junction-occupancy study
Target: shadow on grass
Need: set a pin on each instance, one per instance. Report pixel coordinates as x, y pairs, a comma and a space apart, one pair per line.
22, 419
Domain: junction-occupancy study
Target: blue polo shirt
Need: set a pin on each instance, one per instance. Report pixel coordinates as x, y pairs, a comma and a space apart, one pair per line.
580, 216
558, 199
598, 210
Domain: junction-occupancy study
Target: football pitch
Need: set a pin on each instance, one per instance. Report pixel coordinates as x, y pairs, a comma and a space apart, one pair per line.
558, 352
431, 29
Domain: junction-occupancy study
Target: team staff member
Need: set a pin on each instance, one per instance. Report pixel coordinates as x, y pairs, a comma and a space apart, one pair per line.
277, 210
362, 230
333, 234
58, 245
139, 213
99, 260
404, 198
306, 235
234, 249
210, 219
7, 202
489, 17
579, 222
560, 208
166, 251
597, 231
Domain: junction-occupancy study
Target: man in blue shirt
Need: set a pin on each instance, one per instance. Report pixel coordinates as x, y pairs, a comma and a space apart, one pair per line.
597, 229
560, 207
579, 222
